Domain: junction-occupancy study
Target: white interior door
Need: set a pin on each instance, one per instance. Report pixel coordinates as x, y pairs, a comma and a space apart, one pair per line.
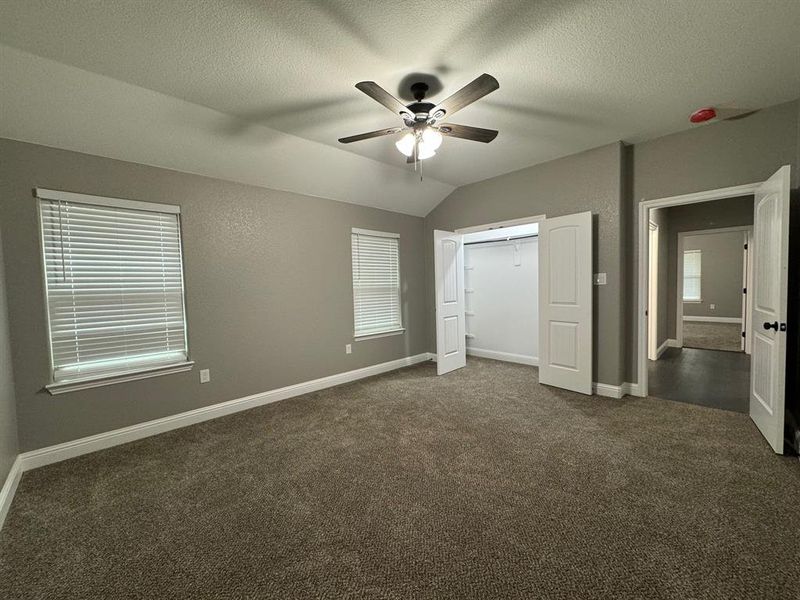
652, 295
770, 281
565, 302
448, 256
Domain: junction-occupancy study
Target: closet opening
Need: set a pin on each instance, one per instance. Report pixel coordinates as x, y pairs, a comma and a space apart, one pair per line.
501, 291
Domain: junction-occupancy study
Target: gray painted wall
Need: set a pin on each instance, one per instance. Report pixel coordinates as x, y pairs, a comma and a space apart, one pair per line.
590, 180
721, 274
8, 411
268, 290
704, 158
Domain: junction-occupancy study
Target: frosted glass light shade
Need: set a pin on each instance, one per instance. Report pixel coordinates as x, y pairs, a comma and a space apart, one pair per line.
432, 138
406, 144
425, 151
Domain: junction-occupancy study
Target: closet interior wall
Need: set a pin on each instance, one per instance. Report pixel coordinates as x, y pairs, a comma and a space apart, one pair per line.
502, 303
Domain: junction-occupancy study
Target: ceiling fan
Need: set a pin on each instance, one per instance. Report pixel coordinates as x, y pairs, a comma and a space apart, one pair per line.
422, 121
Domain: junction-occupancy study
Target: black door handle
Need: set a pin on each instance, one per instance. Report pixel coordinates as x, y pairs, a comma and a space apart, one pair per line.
771, 326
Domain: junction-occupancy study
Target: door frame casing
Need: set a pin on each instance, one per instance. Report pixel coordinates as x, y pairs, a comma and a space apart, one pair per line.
643, 241
747, 231
501, 224
653, 234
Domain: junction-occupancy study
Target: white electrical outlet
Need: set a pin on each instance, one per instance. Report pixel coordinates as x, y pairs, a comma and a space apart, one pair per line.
348, 348
712, 306
599, 278
205, 375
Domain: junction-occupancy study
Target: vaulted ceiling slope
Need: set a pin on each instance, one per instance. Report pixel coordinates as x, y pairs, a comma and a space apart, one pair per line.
260, 90
57, 105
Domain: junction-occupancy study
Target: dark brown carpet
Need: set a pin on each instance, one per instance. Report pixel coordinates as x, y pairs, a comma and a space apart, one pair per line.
479, 484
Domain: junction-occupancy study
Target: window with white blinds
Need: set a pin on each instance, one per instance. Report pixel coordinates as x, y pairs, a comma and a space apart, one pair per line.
376, 282
114, 283
692, 270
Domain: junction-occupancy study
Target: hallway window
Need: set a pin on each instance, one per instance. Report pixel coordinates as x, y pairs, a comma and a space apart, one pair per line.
692, 268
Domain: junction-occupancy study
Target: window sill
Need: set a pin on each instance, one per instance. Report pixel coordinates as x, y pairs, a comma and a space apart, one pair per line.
62, 387
380, 334
693, 301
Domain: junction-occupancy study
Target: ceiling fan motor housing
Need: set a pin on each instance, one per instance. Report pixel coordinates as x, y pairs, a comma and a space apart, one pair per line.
421, 110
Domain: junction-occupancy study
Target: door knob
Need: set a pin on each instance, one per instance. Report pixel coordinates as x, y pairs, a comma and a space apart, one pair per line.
771, 326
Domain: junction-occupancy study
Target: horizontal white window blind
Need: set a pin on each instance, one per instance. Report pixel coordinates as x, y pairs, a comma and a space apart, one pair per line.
376, 282
114, 282
692, 271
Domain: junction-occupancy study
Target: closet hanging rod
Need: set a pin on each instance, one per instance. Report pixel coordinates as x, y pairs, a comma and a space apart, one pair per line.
508, 239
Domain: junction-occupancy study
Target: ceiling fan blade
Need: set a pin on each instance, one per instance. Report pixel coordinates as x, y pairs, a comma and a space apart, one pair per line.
466, 132
485, 84
377, 93
371, 134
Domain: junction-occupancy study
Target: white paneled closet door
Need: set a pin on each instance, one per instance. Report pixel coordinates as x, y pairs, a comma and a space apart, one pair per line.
451, 350
565, 302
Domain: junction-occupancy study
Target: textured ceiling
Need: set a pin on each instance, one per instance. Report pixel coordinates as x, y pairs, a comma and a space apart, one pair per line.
573, 74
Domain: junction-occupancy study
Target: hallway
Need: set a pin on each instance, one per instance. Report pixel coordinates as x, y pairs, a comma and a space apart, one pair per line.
712, 378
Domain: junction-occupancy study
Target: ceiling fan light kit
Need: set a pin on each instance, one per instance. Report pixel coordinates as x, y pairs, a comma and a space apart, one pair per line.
421, 132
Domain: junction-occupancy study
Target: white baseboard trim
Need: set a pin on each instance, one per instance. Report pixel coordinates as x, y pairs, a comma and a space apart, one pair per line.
673, 343
661, 349
616, 391
631, 389
714, 319
607, 390
504, 356
67, 450
9, 488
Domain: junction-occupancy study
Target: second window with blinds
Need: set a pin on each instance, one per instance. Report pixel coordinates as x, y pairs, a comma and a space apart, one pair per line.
376, 283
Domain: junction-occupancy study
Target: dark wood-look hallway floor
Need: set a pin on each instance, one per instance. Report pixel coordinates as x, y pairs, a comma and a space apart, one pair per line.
711, 378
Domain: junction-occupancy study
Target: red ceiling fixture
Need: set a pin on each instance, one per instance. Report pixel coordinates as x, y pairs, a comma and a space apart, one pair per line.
701, 115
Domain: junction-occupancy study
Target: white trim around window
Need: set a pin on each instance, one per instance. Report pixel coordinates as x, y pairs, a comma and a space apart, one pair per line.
375, 233
75, 385
372, 336
61, 196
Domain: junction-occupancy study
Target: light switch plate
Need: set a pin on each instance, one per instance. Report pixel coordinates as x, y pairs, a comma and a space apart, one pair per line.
348, 348
205, 375
599, 278
712, 307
